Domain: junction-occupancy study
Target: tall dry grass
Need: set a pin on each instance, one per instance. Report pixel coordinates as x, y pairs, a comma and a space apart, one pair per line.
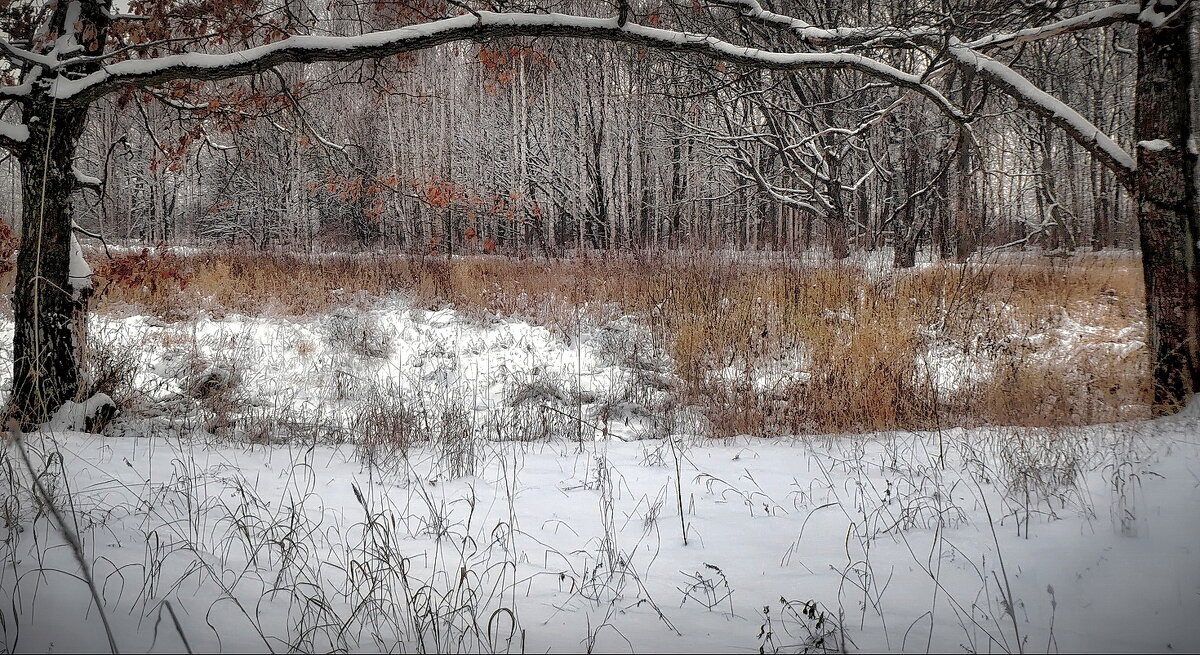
760, 347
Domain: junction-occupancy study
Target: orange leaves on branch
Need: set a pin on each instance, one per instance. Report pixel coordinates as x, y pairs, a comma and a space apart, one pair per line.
366, 194
441, 193
211, 21
390, 12
501, 63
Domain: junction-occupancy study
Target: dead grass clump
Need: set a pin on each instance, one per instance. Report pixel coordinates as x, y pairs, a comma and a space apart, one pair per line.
153, 280
353, 331
111, 368
458, 444
387, 427
214, 385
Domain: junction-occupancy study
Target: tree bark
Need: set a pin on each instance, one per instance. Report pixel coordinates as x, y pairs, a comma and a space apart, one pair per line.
48, 312
1166, 201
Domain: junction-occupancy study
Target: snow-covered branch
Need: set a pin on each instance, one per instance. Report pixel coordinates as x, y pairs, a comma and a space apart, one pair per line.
1057, 112
890, 35
309, 49
85, 181
1123, 13
487, 25
13, 135
969, 56
12, 52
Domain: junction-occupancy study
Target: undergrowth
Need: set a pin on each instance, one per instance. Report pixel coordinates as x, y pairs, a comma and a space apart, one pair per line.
762, 348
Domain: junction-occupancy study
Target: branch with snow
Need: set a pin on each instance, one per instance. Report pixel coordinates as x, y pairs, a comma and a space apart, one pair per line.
84, 181
1123, 13
13, 135
890, 35
968, 56
488, 25
1057, 112
18, 54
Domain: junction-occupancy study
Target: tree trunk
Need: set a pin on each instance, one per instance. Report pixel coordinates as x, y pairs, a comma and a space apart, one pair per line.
1166, 204
839, 237
907, 230
49, 313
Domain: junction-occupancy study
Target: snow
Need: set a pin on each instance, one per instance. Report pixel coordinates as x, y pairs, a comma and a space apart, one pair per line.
85, 179
14, 131
1155, 145
66, 44
74, 416
303, 546
1152, 17
80, 274
465, 541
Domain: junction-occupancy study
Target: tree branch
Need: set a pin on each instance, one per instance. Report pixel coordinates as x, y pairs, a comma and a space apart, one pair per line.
13, 136
891, 36
1125, 13
20, 54
488, 25
968, 56
1038, 101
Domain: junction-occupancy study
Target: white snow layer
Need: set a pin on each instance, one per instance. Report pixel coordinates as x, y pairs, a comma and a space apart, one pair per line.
84, 178
14, 131
74, 416
80, 274
996, 539
909, 542
1155, 145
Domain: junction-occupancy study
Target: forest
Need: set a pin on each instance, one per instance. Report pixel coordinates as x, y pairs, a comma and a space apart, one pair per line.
495, 325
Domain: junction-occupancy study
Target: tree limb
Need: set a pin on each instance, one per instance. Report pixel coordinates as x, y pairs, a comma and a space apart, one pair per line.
13, 136
488, 25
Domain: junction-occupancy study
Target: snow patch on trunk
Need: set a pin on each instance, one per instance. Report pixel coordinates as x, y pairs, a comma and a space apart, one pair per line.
14, 131
81, 273
1155, 145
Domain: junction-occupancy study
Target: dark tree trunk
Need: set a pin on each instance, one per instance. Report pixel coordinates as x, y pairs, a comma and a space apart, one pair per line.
49, 314
964, 192
1167, 207
907, 229
962, 201
839, 237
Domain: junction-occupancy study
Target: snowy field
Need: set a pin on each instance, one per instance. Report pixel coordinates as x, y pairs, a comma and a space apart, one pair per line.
400, 479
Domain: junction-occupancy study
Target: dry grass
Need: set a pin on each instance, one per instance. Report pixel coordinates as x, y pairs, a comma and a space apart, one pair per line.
762, 348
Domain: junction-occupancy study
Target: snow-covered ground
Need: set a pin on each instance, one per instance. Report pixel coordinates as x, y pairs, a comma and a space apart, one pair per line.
241, 509
1091, 534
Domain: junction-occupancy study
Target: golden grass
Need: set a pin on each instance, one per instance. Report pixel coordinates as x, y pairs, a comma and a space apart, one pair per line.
761, 348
